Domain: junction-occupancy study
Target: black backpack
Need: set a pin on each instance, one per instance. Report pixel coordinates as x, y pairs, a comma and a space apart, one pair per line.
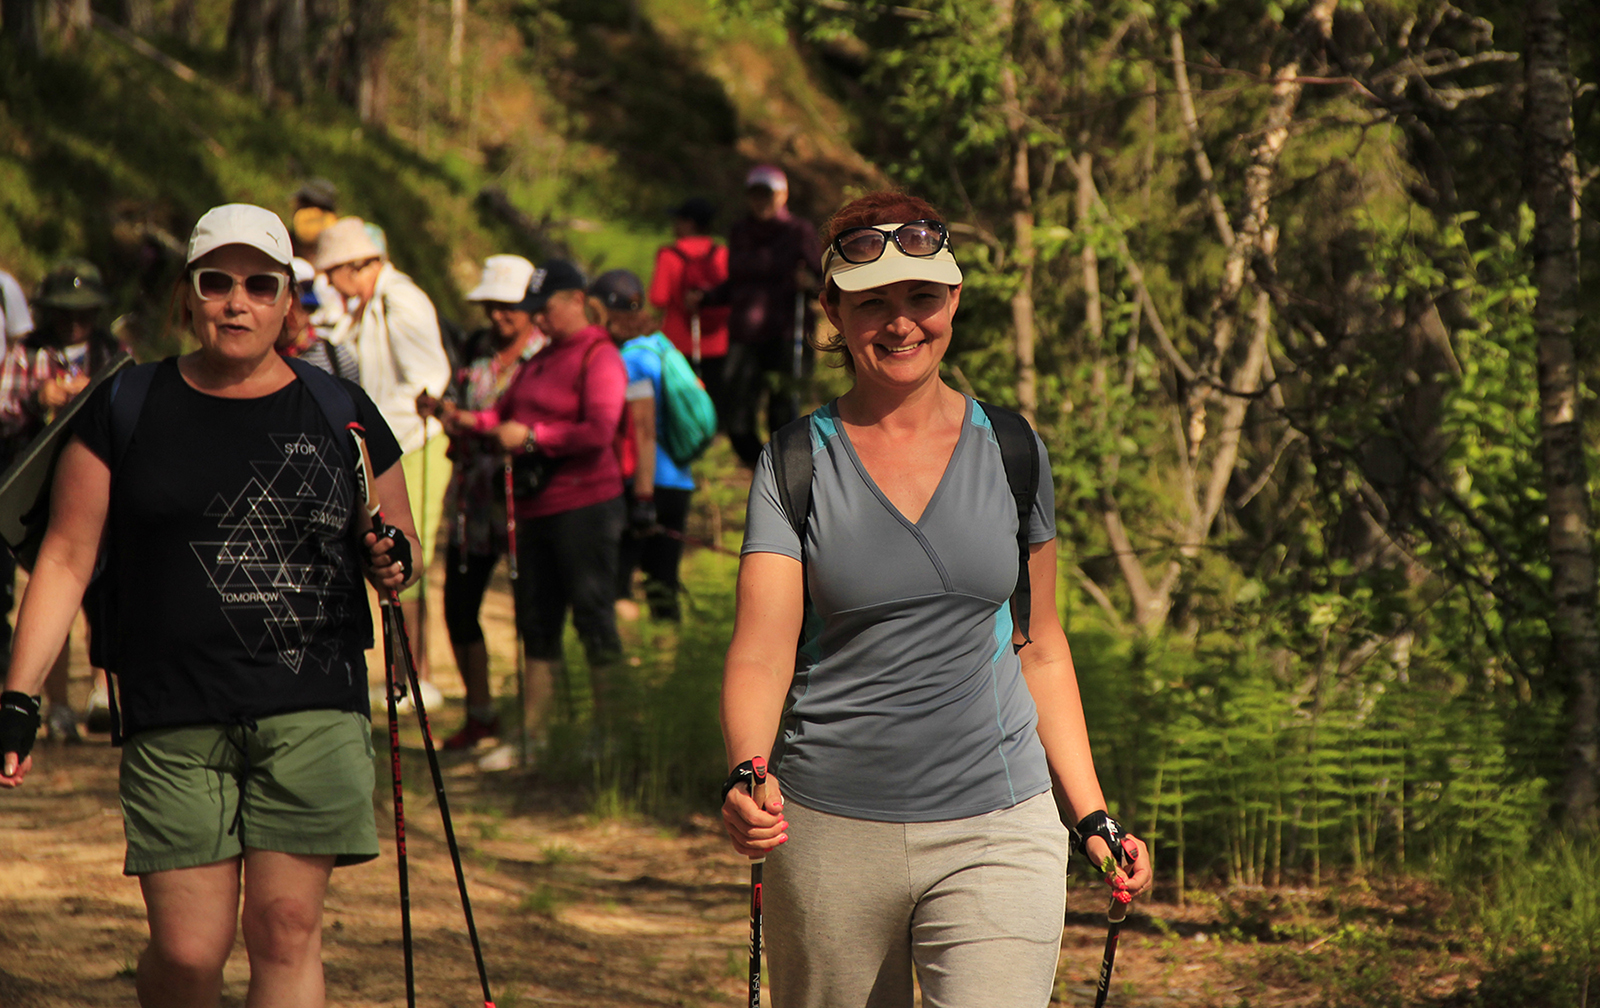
791, 468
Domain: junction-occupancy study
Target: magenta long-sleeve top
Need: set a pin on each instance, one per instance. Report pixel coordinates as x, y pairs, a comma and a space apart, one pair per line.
571, 395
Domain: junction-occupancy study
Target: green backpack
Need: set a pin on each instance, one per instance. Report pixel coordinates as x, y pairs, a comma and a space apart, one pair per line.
688, 418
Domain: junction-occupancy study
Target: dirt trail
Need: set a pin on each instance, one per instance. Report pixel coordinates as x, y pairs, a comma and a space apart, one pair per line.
573, 910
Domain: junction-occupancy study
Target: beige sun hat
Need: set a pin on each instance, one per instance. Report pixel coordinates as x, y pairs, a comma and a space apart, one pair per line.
505, 280
240, 224
345, 241
890, 267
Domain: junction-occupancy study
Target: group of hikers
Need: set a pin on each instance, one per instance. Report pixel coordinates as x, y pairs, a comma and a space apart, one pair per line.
897, 655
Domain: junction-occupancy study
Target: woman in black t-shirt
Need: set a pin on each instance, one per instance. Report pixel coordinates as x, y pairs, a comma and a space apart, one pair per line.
234, 619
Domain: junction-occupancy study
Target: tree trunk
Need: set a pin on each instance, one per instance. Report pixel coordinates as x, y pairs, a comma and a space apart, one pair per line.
20, 22
458, 50
1552, 181
369, 37
293, 57
70, 19
1022, 253
139, 16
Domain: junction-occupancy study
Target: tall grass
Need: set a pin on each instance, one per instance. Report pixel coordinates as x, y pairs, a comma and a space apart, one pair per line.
657, 749
1235, 776
1540, 917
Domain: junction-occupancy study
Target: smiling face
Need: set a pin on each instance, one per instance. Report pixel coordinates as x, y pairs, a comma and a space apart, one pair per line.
510, 322
896, 334
237, 328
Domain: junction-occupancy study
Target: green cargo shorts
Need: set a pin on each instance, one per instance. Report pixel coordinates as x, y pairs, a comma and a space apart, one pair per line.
299, 783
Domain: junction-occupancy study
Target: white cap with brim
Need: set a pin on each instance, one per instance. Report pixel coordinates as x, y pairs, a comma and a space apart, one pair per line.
891, 267
240, 224
505, 280
344, 241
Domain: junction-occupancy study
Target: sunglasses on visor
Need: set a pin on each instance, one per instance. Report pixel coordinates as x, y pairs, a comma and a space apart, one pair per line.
216, 285
919, 239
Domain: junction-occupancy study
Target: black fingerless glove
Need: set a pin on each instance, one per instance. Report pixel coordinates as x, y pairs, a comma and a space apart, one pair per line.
19, 723
1101, 824
400, 548
642, 516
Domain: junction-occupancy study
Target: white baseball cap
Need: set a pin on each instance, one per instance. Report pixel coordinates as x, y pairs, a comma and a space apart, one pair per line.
890, 267
505, 280
240, 224
767, 176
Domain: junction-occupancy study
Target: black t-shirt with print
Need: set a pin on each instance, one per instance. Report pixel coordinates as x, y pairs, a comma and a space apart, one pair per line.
236, 588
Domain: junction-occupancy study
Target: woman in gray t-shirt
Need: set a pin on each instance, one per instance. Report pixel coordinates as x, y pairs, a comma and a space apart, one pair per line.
917, 744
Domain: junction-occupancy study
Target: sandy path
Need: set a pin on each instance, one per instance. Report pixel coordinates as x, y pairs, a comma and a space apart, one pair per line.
573, 910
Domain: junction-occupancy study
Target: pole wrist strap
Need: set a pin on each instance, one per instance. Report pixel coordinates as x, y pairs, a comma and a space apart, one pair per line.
1100, 824
744, 773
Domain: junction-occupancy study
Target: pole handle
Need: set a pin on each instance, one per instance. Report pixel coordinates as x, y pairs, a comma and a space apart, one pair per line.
1120, 898
758, 789
364, 475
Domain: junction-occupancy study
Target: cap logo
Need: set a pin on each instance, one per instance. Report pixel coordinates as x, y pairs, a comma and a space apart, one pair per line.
536, 284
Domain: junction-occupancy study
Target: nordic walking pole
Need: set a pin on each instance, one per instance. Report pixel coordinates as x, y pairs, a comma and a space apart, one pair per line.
400, 827
422, 529
397, 654
516, 631
393, 692
1115, 914
797, 365
758, 794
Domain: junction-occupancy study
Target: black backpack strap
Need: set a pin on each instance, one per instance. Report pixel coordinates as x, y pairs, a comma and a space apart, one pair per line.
791, 468
128, 391
333, 400
1021, 458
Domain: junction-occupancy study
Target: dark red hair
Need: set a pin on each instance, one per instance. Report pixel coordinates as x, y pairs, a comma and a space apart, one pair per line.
886, 206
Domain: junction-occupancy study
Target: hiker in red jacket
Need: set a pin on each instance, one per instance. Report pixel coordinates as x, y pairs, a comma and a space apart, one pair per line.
693, 264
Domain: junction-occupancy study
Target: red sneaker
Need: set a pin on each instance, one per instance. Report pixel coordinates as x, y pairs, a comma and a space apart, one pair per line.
472, 732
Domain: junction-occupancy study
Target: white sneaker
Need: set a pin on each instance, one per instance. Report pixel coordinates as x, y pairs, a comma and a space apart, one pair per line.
62, 723
501, 757
99, 717
432, 699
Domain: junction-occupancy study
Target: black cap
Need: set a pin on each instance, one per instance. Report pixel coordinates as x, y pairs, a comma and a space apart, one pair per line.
619, 290
697, 209
318, 192
552, 277
73, 285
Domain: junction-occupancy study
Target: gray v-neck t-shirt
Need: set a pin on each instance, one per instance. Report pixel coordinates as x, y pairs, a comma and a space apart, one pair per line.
908, 702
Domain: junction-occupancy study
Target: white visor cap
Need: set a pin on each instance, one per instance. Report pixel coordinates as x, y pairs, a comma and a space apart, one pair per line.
241, 224
891, 267
505, 280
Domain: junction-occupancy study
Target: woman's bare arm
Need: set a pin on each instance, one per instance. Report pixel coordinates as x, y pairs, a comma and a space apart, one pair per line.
755, 682
1053, 681
79, 500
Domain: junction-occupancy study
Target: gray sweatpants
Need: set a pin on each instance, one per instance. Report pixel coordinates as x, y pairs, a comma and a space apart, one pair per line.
976, 905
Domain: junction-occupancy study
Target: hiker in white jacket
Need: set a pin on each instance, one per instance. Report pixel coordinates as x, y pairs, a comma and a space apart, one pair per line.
395, 332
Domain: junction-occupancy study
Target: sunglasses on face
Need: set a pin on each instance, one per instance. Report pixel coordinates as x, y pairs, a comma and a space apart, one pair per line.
919, 239
217, 285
